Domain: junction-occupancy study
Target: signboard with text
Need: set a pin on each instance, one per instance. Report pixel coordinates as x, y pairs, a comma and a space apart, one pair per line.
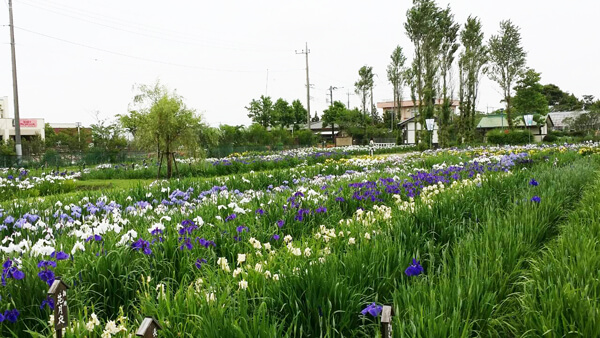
27, 123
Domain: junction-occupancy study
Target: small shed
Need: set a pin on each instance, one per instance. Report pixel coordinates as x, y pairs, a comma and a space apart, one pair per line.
409, 128
499, 121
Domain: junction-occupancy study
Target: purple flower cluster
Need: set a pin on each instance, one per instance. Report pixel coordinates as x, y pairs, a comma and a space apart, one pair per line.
142, 245
373, 309
46, 274
414, 269
10, 315
10, 271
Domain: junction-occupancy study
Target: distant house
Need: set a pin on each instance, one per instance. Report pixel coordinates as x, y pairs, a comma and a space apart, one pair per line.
408, 109
29, 126
499, 121
409, 128
559, 119
319, 129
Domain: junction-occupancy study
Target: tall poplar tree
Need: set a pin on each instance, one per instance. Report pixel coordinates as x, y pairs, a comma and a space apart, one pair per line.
507, 61
471, 64
395, 74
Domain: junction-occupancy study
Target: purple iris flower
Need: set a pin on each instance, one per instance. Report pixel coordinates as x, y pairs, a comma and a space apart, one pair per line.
280, 223
276, 237
48, 301
199, 262
373, 309
143, 245
320, 209
156, 232
536, 199
11, 315
7, 264
187, 244
259, 211
46, 264
97, 238
9, 219
10, 177
241, 229
47, 276
230, 217
533, 182
59, 255
339, 199
414, 269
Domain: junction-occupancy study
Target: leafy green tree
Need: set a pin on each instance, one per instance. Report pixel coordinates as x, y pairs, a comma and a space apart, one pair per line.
300, 114
257, 134
507, 61
168, 124
283, 114
529, 95
107, 139
364, 85
424, 28
208, 137
261, 111
332, 115
395, 74
471, 63
449, 46
232, 135
131, 122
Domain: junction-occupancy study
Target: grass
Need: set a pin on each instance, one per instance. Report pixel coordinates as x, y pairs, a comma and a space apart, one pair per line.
120, 184
489, 253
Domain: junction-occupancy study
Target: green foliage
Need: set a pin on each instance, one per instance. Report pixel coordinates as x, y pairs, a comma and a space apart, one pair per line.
364, 84
529, 95
559, 100
507, 61
300, 113
512, 137
7, 147
306, 137
472, 61
261, 111
396, 75
283, 114
425, 24
167, 124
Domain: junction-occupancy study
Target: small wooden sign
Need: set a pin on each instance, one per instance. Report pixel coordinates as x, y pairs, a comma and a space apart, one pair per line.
149, 328
386, 321
58, 291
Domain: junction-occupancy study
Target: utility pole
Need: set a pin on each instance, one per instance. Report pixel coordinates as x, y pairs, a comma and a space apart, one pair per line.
348, 93
331, 89
306, 51
15, 90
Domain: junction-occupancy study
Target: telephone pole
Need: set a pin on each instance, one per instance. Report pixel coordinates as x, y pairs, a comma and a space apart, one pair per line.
15, 90
331, 89
348, 93
306, 51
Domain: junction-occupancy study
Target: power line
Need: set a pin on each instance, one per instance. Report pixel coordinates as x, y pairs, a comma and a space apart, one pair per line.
146, 59
147, 31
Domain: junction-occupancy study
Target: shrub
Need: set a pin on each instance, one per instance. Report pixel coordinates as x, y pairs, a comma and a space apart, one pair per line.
498, 136
306, 137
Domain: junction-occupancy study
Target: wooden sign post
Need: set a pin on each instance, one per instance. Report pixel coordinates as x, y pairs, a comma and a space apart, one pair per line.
386, 321
149, 328
58, 291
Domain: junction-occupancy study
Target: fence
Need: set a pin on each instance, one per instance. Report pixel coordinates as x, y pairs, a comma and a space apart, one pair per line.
63, 159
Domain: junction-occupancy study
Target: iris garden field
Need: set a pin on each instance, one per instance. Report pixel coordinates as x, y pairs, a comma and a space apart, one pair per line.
496, 241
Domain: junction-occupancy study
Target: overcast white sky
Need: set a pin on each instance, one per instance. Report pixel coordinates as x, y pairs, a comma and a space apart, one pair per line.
75, 57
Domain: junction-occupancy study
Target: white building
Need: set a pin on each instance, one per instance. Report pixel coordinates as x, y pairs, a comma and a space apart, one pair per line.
29, 126
411, 126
